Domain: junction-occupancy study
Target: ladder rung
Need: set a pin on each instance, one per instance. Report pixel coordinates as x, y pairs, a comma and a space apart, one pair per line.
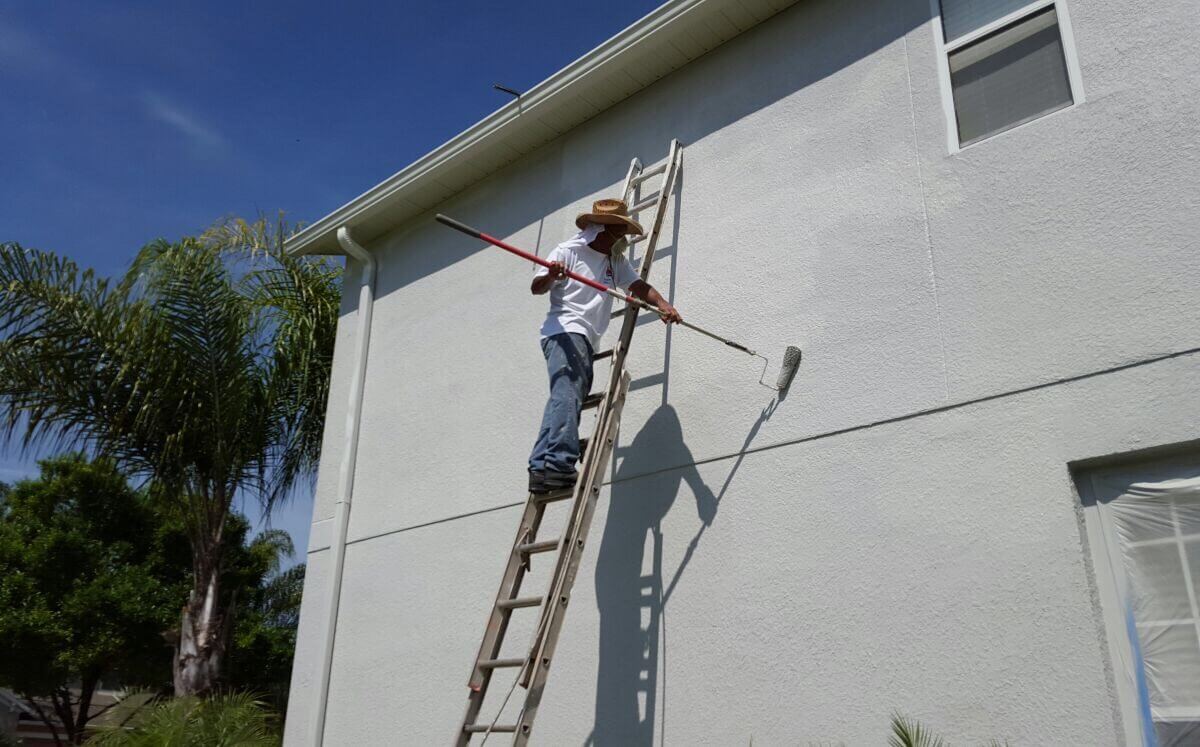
498, 663
647, 202
557, 495
649, 173
619, 312
592, 400
636, 239
509, 604
603, 354
532, 547
497, 729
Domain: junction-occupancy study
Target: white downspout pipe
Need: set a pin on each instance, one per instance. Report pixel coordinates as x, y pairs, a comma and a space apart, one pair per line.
341, 514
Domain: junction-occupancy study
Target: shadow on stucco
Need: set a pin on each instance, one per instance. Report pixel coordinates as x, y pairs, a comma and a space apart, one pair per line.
793, 51
630, 592
629, 578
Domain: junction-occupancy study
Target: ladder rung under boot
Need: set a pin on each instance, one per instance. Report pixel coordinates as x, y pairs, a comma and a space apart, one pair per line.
603, 354
556, 495
497, 729
514, 603
648, 173
592, 400
500, 663
534, 547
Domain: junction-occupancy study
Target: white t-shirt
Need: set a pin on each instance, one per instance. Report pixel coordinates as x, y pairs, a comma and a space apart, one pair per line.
574, 307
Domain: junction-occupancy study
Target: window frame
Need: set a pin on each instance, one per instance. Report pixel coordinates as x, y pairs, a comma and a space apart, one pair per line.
1112, 585
945, 49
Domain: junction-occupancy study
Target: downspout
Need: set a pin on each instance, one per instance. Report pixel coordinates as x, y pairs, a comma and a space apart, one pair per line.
341, 514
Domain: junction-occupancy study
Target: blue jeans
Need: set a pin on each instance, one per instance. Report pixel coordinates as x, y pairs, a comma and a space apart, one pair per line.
569, 363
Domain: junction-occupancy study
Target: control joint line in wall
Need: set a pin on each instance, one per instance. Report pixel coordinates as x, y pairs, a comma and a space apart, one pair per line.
422, 525
826, 434
922, 413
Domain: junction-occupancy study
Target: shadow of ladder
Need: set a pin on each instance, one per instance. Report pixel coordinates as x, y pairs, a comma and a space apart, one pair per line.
535, 665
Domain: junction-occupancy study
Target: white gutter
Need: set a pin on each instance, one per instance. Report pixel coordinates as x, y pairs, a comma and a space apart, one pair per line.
531, 112
341, 515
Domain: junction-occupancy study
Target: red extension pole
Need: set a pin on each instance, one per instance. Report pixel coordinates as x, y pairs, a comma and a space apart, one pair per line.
538, 260
586, 281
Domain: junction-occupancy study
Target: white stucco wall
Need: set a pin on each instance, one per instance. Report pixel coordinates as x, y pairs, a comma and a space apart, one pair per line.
859, 560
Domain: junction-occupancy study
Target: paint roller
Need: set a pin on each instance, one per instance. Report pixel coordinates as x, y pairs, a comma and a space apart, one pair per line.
791, 356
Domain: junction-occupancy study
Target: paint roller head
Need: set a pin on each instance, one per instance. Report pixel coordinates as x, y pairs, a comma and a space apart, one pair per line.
787, 372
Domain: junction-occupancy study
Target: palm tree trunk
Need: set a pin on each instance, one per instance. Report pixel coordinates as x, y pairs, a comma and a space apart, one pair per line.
201, 649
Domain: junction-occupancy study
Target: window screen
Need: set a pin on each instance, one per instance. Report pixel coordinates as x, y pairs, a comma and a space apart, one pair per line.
1156, 528
1009, 77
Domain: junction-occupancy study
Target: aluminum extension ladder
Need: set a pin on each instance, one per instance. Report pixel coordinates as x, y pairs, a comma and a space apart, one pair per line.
535, 665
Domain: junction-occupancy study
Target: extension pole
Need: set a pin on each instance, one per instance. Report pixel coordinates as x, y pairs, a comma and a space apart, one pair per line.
627, 298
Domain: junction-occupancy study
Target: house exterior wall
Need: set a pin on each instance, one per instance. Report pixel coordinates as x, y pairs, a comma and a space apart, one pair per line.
901, 531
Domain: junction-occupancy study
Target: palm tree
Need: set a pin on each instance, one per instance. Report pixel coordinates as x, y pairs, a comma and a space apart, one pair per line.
204, 371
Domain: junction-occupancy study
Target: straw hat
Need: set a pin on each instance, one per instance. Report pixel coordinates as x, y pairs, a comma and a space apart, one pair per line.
610, 212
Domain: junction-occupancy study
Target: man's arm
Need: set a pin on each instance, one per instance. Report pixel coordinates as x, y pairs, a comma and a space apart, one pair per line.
645, 292
542, 283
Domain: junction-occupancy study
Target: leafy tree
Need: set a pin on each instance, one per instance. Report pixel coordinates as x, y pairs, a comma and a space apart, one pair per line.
266, 598
222, 720
264, 639
204, 376
80, 599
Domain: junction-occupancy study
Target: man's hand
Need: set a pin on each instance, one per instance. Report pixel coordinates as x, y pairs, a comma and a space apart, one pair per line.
645, 292
668, 314
541, 283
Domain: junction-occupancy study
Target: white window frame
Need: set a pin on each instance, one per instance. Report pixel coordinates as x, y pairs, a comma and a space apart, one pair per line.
944, 49
1112, 586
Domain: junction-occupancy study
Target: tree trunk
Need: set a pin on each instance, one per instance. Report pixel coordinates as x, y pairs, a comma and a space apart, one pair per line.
83, 714
200, 651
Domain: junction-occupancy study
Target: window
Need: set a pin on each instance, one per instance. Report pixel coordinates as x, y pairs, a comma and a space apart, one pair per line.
1144, 528
1008, 62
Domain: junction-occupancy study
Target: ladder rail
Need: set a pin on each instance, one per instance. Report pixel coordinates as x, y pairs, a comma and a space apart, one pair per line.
538, 665
536, 670
534, 667
620, 349
558, 595
498, 618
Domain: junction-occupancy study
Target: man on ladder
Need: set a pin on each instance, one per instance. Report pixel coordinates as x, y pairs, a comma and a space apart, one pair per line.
577, 319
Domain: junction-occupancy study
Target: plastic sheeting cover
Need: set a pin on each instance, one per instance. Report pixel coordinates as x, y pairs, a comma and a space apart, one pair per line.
1158, 528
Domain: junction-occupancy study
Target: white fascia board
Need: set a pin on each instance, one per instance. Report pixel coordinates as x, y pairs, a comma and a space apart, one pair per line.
321, 237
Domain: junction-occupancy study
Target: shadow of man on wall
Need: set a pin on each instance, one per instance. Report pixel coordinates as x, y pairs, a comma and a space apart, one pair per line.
629, 584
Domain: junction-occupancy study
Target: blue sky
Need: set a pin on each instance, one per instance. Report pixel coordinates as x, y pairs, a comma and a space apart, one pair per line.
127, 121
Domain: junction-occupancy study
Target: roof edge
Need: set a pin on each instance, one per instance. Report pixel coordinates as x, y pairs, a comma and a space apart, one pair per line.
320, 237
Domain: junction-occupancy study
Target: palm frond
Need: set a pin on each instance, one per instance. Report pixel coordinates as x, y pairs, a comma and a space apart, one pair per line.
274, 546
223, 720
910, 733
299, 298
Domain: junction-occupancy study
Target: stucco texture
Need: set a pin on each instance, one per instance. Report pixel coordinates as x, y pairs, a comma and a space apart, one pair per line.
813, 564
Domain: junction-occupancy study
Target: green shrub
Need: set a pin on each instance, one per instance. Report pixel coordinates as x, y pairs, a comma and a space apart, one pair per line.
223, 720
